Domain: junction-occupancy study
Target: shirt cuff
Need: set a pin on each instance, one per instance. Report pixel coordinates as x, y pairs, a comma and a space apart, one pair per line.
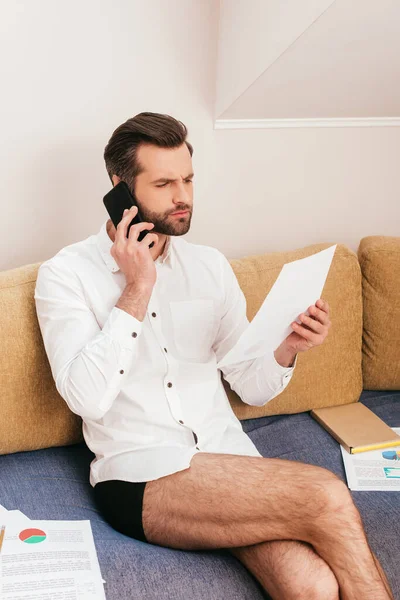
273, 369
123, 328
284, 369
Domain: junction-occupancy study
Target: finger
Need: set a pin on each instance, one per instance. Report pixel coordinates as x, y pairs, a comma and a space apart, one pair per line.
319, 314
312, 324
137, 228
306, 333
149, 238
323, 305
122, 227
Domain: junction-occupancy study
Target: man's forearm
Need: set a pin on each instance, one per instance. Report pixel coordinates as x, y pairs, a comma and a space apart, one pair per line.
134, 301
92, 381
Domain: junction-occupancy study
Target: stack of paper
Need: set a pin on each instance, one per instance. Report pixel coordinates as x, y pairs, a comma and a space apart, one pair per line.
47, 560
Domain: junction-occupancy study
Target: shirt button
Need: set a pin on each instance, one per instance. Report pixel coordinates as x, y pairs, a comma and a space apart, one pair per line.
181, 422
134, 334
165, 349
169, 384
121, 371
197, 448
153, 314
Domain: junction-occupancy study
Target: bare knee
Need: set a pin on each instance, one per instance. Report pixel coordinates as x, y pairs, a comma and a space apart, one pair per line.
333, 505
323, 587
339, 500
315, 580
289, 569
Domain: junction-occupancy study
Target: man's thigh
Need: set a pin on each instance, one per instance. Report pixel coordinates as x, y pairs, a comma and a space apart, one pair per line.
229, 500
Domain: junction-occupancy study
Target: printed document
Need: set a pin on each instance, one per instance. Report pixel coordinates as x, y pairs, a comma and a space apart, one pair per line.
376, 470
48, 560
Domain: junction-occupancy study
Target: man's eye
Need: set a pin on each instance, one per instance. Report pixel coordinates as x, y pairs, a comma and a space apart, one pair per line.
164, 184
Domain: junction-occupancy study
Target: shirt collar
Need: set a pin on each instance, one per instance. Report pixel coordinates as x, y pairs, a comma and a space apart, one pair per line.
104, 244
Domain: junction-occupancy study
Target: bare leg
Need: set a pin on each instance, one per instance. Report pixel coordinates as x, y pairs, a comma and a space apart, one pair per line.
227, 501
289, 570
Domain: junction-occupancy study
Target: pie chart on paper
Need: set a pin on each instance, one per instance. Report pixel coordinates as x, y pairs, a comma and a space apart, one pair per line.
32, 536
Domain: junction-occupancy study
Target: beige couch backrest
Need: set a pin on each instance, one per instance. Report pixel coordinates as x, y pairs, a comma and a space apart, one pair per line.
379, 258
325, 375
33, 415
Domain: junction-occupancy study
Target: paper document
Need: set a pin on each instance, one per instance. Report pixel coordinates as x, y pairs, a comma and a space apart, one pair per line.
298, 285
13, 515
377, 470
48, 560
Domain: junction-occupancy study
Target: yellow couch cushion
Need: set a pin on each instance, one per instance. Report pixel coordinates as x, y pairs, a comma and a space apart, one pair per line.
325, 375
379, 258
33, 414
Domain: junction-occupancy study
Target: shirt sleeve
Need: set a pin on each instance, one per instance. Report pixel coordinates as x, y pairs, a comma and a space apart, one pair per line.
89, 364
260, 379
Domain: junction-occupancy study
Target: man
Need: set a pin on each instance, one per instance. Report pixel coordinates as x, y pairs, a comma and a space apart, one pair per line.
133, 334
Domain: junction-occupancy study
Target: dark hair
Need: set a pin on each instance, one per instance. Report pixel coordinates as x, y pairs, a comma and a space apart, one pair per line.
145, 128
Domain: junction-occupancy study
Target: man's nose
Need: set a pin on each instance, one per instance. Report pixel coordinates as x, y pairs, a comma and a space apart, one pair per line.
182, 194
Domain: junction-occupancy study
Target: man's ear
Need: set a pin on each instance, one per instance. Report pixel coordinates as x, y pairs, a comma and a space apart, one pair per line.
115, 179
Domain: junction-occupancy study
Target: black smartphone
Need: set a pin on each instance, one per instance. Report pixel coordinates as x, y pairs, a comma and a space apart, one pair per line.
116, 200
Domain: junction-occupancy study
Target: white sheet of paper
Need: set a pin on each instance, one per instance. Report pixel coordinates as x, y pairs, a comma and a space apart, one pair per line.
62, 564
370, 471
298, 285
16, 517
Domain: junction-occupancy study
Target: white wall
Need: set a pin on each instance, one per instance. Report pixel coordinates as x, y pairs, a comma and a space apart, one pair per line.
75, 70
287, 188
251, 37
308, 59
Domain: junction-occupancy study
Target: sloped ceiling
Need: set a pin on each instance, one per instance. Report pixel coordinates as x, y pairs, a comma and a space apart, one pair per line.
282, 59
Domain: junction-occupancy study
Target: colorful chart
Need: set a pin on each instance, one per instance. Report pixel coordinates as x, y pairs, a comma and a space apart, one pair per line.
392, 472
32, 536
391, 454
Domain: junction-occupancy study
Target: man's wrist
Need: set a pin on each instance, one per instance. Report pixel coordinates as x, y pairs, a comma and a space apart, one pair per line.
134, 301
285, 356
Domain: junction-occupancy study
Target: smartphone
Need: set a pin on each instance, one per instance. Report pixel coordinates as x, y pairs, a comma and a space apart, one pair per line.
116, 201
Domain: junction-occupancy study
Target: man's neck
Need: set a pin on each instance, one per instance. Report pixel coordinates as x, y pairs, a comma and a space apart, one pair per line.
155, 251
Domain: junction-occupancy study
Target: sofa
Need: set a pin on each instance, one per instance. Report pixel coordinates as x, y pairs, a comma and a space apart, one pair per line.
44, 462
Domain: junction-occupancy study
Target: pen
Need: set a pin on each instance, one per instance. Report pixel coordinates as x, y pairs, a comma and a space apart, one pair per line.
2, 530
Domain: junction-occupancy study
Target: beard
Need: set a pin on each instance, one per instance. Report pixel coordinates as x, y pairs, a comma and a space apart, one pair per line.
167, 224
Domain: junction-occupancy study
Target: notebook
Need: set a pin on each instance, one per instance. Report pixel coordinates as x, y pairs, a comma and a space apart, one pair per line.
356, 427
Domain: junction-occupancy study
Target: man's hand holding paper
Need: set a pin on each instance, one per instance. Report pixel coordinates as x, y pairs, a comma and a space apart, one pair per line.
298, 284
311, 331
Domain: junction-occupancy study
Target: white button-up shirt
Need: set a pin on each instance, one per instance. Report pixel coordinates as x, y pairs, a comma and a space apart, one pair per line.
149, 392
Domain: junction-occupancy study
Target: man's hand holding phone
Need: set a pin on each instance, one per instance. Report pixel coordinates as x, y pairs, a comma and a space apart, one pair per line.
137, 264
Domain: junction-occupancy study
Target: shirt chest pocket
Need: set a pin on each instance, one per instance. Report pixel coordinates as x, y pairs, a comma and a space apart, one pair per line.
193, 323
